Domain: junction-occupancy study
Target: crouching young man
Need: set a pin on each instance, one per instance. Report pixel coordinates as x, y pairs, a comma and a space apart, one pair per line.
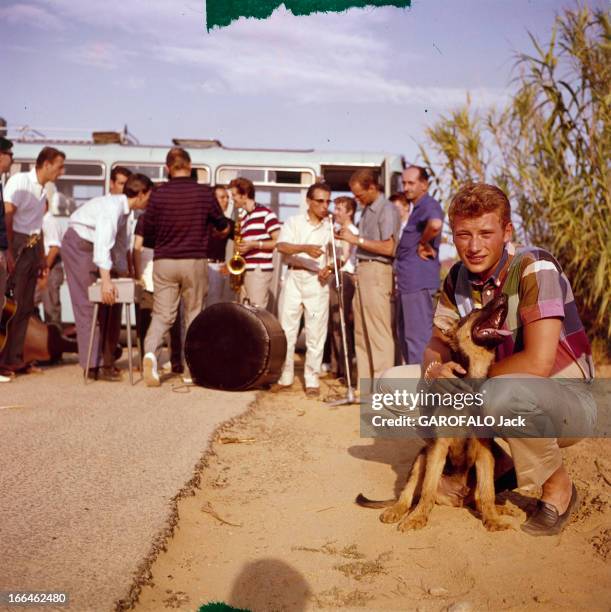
547, 345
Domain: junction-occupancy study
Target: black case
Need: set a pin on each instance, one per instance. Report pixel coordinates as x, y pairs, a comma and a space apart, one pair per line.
235, 347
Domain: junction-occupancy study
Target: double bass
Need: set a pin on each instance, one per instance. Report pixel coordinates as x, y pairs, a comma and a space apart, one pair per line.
43, 342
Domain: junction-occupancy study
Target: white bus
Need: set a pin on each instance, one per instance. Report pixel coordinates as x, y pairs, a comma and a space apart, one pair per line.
281, 176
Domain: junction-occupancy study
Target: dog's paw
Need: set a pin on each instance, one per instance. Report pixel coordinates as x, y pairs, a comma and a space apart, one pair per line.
413, 521
497, 524
393, 513
508, 510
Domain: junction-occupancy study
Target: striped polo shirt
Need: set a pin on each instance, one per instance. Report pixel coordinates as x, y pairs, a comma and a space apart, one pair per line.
536, 288
258, 225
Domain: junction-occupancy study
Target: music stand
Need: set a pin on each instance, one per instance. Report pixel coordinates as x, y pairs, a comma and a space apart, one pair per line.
128, 293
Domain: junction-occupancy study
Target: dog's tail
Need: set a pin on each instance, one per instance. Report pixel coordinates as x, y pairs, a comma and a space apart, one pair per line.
365, 502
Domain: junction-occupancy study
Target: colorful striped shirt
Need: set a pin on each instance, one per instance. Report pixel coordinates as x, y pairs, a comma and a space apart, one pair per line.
536, 288
258, 225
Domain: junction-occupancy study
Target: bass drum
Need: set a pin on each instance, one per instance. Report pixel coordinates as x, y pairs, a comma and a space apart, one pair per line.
235, 347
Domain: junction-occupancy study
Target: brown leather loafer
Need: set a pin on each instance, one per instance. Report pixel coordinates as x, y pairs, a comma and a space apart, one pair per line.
546, 521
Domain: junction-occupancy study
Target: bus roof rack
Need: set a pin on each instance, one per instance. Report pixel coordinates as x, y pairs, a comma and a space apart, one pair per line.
197, 143
107, 138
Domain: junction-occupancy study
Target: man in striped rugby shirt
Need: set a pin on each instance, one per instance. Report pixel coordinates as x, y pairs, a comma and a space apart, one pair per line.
547, 345
259, 229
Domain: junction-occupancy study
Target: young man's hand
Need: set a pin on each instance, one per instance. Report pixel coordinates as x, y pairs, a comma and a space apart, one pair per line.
109, 292
323, 275
444, 378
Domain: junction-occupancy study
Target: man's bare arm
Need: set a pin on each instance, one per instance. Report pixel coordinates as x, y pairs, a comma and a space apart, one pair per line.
286, 248
52, 256
540, 345
438, 353
432, 229
378, 247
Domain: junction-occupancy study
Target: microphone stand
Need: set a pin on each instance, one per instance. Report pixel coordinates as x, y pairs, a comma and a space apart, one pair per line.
350, 398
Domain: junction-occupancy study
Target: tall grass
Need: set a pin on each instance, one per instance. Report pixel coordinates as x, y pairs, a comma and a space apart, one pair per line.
549, 149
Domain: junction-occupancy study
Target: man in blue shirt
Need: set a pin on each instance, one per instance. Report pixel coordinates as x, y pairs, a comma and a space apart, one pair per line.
417, 265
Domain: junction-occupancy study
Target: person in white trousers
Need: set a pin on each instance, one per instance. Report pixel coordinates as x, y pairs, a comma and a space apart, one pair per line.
304, 241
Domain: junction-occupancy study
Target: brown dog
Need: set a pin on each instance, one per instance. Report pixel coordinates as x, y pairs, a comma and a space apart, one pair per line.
473, 341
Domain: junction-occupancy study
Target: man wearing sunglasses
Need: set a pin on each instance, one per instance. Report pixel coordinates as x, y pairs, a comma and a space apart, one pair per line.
303, 241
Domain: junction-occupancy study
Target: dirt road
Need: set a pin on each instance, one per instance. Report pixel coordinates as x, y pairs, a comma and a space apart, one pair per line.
274, 527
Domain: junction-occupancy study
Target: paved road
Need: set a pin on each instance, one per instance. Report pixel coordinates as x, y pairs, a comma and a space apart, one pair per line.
87, 474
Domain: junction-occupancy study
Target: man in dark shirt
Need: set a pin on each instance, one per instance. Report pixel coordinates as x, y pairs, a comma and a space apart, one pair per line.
177, 220
417, 265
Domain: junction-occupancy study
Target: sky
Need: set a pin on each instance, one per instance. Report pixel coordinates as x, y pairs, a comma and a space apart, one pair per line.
367, 79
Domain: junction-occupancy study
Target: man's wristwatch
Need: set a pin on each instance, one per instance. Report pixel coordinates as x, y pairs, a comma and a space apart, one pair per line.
361, 241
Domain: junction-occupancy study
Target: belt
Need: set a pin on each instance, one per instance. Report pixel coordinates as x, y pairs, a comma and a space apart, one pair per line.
364, 261
292, 267
31, 239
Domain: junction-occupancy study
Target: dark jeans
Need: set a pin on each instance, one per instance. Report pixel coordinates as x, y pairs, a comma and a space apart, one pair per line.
23, 284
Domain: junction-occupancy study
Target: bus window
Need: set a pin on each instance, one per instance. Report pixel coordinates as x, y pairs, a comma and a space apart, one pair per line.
226, 175
264, 197
290, 177
267, 176
203, 175
158, 173
289, 203
337, 177
396, 183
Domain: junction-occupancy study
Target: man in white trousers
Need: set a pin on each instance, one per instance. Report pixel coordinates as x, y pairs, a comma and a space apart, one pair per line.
303, 241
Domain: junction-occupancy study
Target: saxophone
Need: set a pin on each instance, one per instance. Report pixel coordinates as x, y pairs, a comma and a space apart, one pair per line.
237, 264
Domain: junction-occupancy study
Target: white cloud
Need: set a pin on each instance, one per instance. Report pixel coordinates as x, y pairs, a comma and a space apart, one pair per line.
316, 59
134, 16
32, 15
309, 60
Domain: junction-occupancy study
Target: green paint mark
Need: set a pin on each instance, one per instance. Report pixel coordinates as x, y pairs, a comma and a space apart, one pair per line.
220, 13
217, 606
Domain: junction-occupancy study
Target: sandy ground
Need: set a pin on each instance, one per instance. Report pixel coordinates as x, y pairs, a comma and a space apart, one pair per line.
273, 526
89, 476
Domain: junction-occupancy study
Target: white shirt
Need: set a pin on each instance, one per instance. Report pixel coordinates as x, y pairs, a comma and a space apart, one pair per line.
350, 265
53, 230
103, 221
29, 198
300, 230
